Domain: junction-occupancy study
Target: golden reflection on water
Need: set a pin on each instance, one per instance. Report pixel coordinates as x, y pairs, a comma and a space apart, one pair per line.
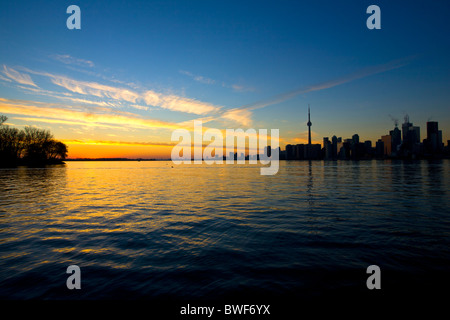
84, 202
126, 209
154, 219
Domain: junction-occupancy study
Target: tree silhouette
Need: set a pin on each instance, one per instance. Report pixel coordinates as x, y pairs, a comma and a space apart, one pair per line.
37, 142
30, 145
56, 150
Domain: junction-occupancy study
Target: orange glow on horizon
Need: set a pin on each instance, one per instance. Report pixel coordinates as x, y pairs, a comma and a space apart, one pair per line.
95, 150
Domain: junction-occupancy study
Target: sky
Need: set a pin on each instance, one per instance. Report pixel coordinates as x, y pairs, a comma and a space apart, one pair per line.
138, 70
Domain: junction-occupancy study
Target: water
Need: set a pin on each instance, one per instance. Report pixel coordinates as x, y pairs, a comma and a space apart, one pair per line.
147, 230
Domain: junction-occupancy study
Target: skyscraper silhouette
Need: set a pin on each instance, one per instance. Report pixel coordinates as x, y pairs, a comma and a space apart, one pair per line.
309, 128
433, 143
312, 151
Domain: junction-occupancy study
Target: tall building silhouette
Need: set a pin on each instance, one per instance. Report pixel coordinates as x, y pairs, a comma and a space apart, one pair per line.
312, 151
334, 152
410, 138
433, 142
396, 139
327, 148
290, 152
405, 128
387, 145
403, 144
309, 127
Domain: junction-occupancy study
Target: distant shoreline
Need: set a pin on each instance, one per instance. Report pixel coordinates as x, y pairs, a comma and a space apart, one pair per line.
27, 163
114, 159
246, 160
60, 162
44, 164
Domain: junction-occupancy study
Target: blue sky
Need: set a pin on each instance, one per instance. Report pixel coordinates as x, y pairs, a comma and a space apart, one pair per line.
138, 69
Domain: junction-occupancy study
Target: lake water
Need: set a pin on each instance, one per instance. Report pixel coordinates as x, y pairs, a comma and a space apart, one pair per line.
153, 230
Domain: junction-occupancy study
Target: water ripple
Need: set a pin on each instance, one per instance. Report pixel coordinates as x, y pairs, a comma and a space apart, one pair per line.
143, 229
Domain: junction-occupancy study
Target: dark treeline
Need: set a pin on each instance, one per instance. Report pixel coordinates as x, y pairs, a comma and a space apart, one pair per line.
29, 146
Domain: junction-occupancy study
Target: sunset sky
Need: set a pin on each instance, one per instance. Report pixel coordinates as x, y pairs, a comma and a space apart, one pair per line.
138, 70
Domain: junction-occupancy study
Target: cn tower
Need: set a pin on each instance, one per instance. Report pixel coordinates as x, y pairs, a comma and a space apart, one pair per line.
309, 128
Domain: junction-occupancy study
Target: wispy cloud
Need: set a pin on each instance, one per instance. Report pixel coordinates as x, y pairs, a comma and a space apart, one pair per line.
67, 96
95, 89
177, 103
242, 88
111, 96
44, 92
68, 59
65, 122
89, 102
5, 79
120, 94
150, 97
79, 117
241, 116
202, 79
198, 78
139, 107
329, 84
18, 77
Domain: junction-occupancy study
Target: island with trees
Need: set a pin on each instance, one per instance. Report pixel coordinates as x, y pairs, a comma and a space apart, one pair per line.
29, 146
